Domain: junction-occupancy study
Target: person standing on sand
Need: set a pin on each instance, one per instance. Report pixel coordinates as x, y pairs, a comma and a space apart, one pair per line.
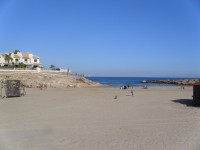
132, 92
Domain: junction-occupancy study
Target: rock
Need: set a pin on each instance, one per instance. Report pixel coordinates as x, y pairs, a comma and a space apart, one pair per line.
54, 80
177, 82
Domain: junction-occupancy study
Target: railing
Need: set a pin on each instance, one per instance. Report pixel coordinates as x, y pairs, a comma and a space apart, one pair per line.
30, 70
61, 72
13, 70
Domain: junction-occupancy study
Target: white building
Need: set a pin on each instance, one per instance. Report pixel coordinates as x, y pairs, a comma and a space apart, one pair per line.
28, 59
2, 60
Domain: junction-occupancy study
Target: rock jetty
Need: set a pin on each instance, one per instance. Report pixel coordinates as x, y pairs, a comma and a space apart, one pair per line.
35, 79
177, 82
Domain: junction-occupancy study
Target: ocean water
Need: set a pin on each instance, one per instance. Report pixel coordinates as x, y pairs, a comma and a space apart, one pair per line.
132, 81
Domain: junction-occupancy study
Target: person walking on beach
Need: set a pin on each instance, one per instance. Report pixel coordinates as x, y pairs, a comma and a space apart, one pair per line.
132, 92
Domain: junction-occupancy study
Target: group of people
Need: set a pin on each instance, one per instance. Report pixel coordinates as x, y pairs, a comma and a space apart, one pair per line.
132, 90
41, 86
127, 87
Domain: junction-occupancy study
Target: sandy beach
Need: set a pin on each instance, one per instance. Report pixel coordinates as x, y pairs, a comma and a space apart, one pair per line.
158, 118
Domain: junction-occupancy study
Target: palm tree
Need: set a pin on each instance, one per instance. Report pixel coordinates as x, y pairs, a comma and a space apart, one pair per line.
16, 51
8, 58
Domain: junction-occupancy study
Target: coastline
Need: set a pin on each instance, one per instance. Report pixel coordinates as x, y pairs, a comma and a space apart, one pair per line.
143, 81
59, 79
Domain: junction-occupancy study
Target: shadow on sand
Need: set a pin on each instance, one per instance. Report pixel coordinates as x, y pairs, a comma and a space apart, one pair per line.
187, 102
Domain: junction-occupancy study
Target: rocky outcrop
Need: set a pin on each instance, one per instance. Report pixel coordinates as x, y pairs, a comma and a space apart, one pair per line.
49, 79
177, 82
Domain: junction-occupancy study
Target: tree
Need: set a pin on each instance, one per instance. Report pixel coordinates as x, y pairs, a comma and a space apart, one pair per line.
21, 65
16, 51
52, 67
8, 58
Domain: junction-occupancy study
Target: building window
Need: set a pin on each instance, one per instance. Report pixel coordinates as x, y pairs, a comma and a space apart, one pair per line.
35, 60
25, 59
16, 59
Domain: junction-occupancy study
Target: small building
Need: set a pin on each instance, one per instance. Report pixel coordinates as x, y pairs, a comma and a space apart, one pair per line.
196, 94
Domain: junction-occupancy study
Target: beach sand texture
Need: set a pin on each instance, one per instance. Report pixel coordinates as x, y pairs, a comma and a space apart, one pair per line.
158, 118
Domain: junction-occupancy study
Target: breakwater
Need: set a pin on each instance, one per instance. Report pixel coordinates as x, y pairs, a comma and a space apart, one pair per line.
177, 82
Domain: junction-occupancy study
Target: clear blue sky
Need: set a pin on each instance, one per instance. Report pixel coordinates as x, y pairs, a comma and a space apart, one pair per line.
106, 37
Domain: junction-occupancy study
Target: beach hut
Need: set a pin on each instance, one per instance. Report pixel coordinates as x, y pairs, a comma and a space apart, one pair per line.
196, 94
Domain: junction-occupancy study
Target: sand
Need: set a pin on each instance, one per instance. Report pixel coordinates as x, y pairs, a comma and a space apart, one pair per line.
158, 118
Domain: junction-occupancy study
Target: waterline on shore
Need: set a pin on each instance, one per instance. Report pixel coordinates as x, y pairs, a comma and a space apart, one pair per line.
132, 81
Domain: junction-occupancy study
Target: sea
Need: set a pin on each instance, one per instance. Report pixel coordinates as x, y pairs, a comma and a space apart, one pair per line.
131, 81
